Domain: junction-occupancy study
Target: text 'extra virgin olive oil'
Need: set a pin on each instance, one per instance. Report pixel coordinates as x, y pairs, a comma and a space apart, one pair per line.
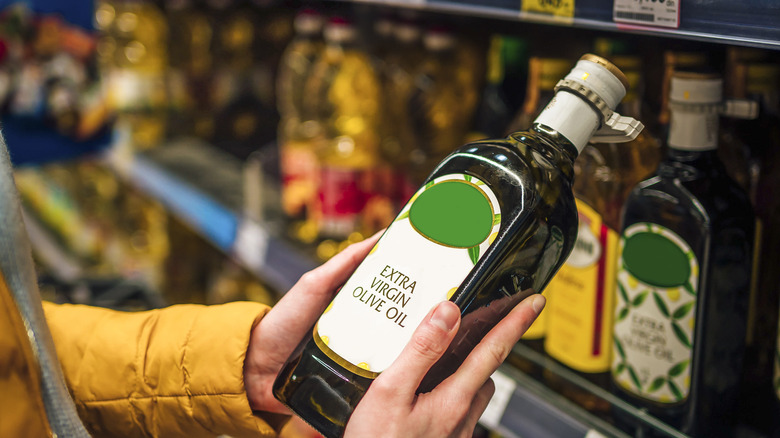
684, 272
490, 226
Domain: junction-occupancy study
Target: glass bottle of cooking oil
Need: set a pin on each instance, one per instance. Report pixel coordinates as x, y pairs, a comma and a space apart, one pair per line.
749, 147
189, 46
489, 227
493, 113
543, 73
297, 127
136, 73
400, 71
445, 98
242, 120
581, 295
674, 62
684, 272
346, 98
542, 76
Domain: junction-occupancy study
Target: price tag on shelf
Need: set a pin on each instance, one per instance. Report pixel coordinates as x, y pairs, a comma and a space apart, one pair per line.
251, 244
505, 387
555, 10
396, 2
662, 13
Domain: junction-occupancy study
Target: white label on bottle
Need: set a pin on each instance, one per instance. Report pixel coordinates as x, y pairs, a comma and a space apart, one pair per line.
664, 13
420, 261
693, 131
655, 314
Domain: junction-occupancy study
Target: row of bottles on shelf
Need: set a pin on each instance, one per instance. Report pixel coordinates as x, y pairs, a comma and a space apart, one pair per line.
361, 126
670, 293
193, 68
114, 231
670, 297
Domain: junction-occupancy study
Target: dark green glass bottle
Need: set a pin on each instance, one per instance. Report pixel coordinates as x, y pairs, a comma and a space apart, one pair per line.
684, 275
490, 226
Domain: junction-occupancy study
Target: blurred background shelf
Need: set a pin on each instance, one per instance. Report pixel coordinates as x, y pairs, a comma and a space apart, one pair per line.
203, 187
751, 23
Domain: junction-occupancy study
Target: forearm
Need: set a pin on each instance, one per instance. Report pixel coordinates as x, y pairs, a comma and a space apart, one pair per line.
170, 372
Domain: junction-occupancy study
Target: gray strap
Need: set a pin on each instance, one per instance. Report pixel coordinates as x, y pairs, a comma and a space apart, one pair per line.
17, 267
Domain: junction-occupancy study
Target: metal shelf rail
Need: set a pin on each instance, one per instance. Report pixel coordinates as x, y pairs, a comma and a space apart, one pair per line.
753, 23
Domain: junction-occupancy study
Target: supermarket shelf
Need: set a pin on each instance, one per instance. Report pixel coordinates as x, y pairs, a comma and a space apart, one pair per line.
638, 417
524, 407
178, 185
750, 22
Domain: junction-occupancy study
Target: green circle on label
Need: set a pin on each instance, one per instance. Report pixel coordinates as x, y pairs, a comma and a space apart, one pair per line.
656, 260
453, 213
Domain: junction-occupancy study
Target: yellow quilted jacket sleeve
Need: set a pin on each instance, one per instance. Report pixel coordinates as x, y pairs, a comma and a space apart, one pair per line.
170, 372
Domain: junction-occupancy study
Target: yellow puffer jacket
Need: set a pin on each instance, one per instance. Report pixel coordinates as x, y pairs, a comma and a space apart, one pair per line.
171, 372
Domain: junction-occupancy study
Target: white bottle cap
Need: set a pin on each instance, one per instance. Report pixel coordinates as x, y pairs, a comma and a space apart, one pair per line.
695, 101
584, 104
339, 30
438, 39
696, 88
602, 77
308, 22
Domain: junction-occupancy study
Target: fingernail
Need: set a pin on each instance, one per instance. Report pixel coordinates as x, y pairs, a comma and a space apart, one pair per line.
538, 303
445, 316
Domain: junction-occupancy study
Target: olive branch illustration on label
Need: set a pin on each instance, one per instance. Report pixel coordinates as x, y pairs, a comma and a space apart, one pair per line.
673, 317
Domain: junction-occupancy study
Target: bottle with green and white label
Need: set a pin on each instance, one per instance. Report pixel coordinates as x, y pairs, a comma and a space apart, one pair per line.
684, 272
489, 227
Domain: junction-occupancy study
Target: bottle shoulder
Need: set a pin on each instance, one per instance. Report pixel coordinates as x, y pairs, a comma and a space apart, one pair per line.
523, 178
706, 201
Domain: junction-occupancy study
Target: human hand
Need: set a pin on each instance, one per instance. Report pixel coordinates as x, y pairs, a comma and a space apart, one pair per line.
279, 332
391, 407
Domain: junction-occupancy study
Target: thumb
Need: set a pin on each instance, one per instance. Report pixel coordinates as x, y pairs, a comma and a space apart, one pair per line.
429, 341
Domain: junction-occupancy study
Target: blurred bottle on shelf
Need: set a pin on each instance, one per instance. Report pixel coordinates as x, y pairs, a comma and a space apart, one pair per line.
346, 98
684, 272
748, 76
582, 294
242, 105
298, 128
493, 113
750, 150
134, 58
673, 62
445, 98
191, 62
400, 67
543, 74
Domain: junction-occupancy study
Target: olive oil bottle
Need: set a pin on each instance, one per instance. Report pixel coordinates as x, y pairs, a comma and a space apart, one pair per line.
346, 97
445, 97
684, 274
297, 127
542, 76
581, 295
752, 153
490, 226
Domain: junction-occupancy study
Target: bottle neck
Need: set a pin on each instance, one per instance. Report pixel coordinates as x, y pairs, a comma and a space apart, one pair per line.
693, 131
572, 117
